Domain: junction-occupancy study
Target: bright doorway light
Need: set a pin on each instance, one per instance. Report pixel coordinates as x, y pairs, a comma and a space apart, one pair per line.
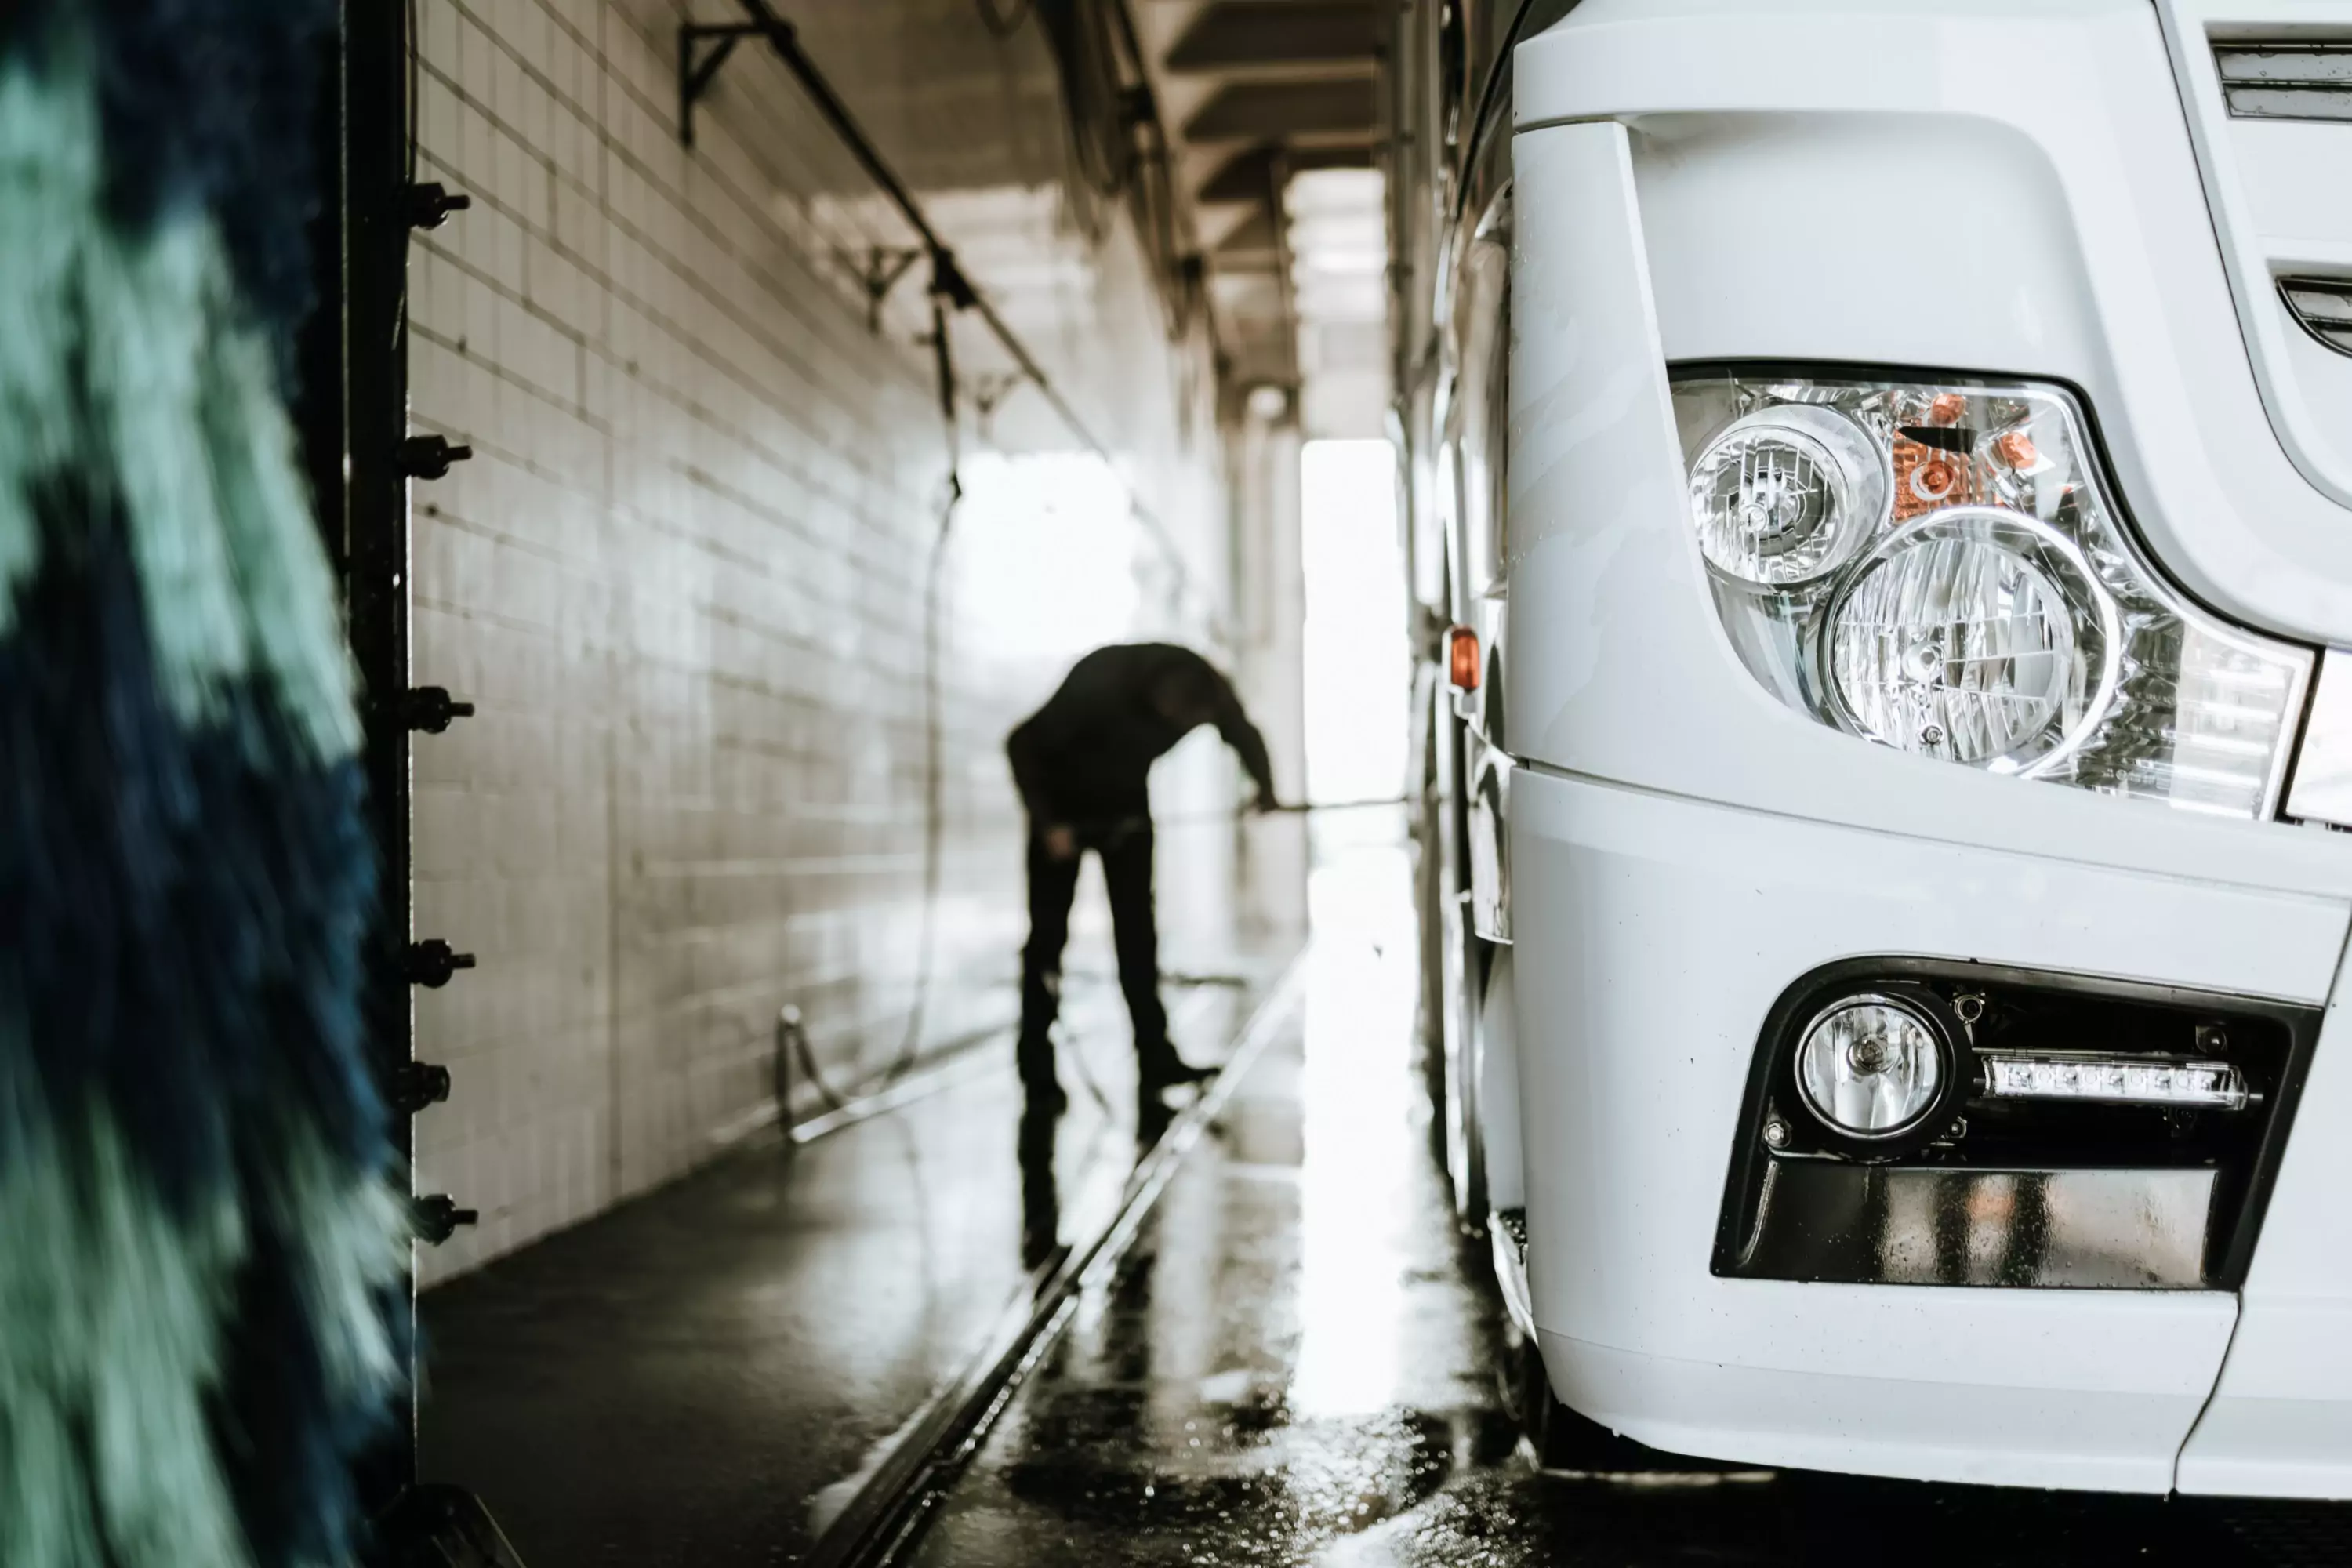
1053, 567
1356, 1212
1358, 666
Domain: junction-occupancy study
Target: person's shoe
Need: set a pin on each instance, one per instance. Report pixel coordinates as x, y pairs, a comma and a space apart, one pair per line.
1166, 1070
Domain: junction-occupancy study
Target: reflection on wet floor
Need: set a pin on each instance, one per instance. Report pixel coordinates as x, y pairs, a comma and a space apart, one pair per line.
704, 1375
1288, 1356
1296, 1365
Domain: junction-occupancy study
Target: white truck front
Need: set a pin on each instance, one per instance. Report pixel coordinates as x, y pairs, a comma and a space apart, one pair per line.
1930, 504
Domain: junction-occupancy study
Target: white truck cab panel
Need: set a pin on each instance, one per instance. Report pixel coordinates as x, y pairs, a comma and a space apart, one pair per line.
1999, 190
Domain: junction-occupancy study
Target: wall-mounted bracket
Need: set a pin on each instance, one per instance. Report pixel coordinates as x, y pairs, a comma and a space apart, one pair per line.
434, 964
431, 457
879, 273
695, 74
418, 1085
437, 1217
989, 390
430, 204
431, 709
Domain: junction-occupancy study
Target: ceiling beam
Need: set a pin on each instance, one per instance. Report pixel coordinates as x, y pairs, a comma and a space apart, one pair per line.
1248, 176
1266, 110
1255, 33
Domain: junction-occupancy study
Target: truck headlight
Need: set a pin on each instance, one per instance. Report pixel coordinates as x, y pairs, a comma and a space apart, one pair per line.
1786, 494
1975, 635
1938, 568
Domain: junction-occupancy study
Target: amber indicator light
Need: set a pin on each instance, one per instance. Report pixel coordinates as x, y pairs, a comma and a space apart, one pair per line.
1462, 658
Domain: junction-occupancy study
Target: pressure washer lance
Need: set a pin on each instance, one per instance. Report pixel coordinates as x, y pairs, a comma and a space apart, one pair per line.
1283, 808
792, 1044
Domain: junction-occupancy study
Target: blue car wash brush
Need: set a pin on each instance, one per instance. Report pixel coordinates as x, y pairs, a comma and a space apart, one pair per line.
200, 1225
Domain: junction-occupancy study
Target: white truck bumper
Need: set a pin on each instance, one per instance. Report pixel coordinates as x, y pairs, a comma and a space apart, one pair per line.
1654, 935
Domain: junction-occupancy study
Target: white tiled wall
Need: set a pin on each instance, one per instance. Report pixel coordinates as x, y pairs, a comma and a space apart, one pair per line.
683, 579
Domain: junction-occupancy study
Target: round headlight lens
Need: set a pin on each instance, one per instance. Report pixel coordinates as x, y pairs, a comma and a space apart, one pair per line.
1976, 636
1786, 495
1870, 1067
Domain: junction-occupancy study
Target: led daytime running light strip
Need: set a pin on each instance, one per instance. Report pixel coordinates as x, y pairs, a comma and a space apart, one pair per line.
2114, 1081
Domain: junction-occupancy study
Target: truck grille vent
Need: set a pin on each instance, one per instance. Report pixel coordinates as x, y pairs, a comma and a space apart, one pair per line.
2287, 79
2322, 306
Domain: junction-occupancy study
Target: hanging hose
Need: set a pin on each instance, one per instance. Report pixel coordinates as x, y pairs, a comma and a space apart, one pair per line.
945, 286
910, 1044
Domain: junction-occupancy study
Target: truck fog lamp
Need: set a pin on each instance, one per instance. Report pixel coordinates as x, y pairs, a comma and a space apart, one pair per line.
1786, 495
1976, 636
2114, 1081
1871, 1067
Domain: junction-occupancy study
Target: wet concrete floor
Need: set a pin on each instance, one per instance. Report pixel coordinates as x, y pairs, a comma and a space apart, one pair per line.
1296, 1364
704, 1375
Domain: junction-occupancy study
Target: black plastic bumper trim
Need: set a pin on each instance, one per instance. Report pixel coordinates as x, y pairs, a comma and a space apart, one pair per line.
1836, 1186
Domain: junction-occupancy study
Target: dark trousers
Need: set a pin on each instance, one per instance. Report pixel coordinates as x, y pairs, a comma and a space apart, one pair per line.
1126, 852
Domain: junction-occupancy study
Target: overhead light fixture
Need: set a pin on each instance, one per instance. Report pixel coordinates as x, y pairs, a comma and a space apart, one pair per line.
1268, 401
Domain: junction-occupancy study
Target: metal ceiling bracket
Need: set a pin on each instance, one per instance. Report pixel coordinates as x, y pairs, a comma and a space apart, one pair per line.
695, 75
992, 387
879, 273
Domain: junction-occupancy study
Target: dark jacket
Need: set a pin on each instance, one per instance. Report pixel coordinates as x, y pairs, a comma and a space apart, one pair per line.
1083, 757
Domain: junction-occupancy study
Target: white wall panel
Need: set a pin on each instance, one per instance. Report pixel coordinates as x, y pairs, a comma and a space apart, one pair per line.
683, 576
